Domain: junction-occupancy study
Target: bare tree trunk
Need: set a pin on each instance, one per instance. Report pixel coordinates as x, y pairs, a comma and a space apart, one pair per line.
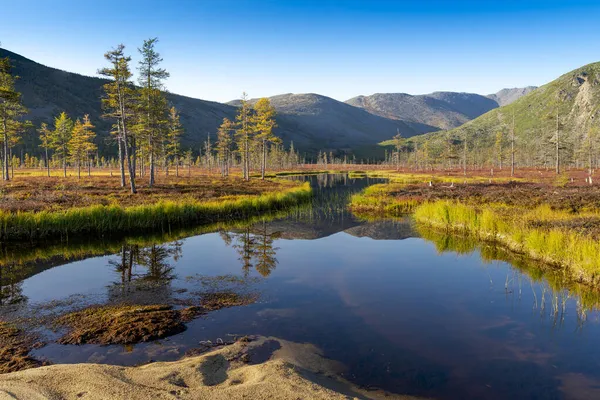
557, 145
512, 147
177, 166
64, 162
121, 157
264, 160
151, 182
6, 161
134, 156
47, 163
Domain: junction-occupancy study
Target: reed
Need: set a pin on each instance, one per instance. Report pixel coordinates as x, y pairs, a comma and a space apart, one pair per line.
103, 219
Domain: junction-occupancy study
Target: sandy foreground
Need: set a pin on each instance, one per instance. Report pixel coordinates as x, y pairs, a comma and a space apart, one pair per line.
264, 368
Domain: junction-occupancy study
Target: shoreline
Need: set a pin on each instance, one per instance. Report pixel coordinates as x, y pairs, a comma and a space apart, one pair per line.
104, 219
256, 368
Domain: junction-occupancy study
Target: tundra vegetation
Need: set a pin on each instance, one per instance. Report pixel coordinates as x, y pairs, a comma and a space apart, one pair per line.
555, 220
147, 133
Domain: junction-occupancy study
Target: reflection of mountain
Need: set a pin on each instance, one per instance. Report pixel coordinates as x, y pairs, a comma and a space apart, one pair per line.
311, 230
384, 230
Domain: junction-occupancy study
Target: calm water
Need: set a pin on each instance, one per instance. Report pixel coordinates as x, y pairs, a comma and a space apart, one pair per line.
406, 310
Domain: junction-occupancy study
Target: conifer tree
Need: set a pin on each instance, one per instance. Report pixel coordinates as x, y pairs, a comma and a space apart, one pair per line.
153, 105
119, 104
60, 138
11, 111
398, 144
264, 122
244, 134
45, 134
174, 132
223, 145
81, 143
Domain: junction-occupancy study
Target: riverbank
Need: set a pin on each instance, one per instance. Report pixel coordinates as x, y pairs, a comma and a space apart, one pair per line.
197, 201
559, 225
263, 368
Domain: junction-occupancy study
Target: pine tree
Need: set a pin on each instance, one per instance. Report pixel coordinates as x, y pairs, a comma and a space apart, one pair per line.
499, 147
119, 104
81, 143
223, 145
60, 137
244, 134
398, 144
45, 134
153, 106
264, 122
174, 132
11, 111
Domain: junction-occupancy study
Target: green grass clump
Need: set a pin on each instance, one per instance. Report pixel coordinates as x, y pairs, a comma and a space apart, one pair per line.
516, 229
101, 219
376, 199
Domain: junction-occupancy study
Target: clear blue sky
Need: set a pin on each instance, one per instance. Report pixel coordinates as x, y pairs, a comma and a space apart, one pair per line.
215, 49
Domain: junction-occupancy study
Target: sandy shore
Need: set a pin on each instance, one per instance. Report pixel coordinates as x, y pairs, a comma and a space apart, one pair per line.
265, 368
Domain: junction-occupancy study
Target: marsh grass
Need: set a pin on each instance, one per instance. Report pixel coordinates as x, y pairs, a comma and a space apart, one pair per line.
438, 178
537, 271
516, 229
565, 237
164, 215
377, 199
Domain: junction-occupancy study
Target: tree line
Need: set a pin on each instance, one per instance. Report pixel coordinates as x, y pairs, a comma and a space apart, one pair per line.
550, 146
146, 130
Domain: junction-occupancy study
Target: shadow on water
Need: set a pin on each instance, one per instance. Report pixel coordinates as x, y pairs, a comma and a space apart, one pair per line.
406, 309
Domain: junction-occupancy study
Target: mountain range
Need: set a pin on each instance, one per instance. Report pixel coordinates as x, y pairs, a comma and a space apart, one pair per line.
574, 97
312, 121
438, 110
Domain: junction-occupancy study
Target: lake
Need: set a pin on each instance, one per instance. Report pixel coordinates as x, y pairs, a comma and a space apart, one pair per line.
405, 309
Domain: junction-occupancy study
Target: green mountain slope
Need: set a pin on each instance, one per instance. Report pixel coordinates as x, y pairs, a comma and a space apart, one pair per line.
575, 97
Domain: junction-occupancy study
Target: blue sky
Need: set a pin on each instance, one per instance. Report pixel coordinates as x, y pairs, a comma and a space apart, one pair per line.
215, 49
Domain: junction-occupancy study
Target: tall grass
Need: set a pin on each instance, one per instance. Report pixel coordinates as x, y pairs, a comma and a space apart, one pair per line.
377, 199
163, 215
515, 229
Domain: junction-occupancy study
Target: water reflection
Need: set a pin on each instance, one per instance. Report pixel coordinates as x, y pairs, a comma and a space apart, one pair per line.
254, 246
472, 321
551, 288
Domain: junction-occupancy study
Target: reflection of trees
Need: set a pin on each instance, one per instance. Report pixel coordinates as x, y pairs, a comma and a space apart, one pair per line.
11, 284
551, 288
245, 246
153, 259
265, 252
254, 247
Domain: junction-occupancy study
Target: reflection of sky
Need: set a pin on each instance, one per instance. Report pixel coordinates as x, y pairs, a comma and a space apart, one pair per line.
442, 312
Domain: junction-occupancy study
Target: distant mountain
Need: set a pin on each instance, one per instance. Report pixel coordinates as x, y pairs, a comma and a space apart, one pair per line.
435, 111
574, 96
507, 96
311, 121
320, 122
